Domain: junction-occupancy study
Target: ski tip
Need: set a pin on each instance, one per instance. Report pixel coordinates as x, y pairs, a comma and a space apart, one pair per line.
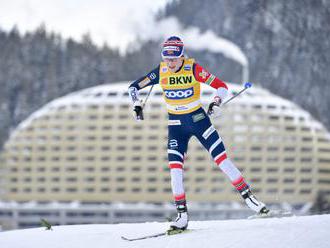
272, 214
247, 85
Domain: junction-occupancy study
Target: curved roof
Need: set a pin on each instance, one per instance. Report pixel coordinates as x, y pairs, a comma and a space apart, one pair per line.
117, 93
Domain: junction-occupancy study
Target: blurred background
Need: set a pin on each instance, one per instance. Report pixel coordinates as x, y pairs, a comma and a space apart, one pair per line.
71, 152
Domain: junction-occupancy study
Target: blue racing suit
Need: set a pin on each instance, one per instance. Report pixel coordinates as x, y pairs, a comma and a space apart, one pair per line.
187, 118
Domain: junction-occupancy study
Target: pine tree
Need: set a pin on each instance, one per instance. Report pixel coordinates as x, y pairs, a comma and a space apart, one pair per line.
46, 224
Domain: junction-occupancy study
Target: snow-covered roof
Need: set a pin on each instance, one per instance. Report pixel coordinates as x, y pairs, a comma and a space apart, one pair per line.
118, 93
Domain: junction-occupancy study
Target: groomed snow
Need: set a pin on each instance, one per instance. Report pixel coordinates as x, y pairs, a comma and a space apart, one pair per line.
290, 232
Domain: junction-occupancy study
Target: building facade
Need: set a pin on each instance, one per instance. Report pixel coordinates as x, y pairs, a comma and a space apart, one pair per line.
86, 146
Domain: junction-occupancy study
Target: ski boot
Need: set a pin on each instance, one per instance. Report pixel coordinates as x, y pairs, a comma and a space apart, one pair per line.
253, 203
181, 222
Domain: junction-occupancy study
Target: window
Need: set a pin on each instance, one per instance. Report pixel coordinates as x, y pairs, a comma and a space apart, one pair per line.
256, 180
105, 189
120, 190
289, 149
136, 190
306, 160
288, 180
111, 94
152, 148
256, 169
92, 117
71, 179
256, 106
121, 158
120, 179
306, 149
272, 180
289, 159
305, 191
105, 148
306, 170
91, 128
323, 160
290, 128
288, 118
119, 169
105, 158
256, 148
152, 190
108, 117
89, 190
288, 191
256, 159
324, 181
124, 106
200, 179
121, 148
272, 169
289, 169
89, 179
122, 137
153, 137
90, 158
136, 158
272, 159
272, 191
107, 127
136, 179
274, 117
152, 179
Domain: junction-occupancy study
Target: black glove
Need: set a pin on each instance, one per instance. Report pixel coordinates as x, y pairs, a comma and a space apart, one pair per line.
138, 113
210, 110
216, 102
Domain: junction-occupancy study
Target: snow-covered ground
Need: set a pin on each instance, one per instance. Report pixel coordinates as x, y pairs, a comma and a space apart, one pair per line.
290, 232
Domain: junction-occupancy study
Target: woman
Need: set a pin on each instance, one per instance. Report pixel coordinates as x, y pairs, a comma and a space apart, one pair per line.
180, 80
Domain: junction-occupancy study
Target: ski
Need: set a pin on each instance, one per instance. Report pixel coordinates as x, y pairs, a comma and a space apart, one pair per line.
272, 214
145, 237
166, 233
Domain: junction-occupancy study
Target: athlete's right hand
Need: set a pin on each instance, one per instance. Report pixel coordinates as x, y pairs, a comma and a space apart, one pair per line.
216, 102
138, 111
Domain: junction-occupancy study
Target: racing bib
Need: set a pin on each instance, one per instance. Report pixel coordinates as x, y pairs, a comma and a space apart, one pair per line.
181, 90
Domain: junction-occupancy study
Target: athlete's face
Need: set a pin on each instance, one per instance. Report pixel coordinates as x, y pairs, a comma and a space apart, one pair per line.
174, 64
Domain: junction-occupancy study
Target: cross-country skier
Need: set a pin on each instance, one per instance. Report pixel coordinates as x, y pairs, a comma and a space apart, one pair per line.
180, 79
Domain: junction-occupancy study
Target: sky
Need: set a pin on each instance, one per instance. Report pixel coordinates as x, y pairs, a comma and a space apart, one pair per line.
118, 23
302, 232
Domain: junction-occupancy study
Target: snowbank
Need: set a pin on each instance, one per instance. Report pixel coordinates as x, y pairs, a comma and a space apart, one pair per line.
290, 232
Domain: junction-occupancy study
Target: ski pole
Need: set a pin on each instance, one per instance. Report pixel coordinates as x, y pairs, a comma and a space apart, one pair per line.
145, 100
140, 113
246, 86
211, 105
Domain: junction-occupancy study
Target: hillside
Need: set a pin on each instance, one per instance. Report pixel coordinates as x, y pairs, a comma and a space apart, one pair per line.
307, 231
285, 42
